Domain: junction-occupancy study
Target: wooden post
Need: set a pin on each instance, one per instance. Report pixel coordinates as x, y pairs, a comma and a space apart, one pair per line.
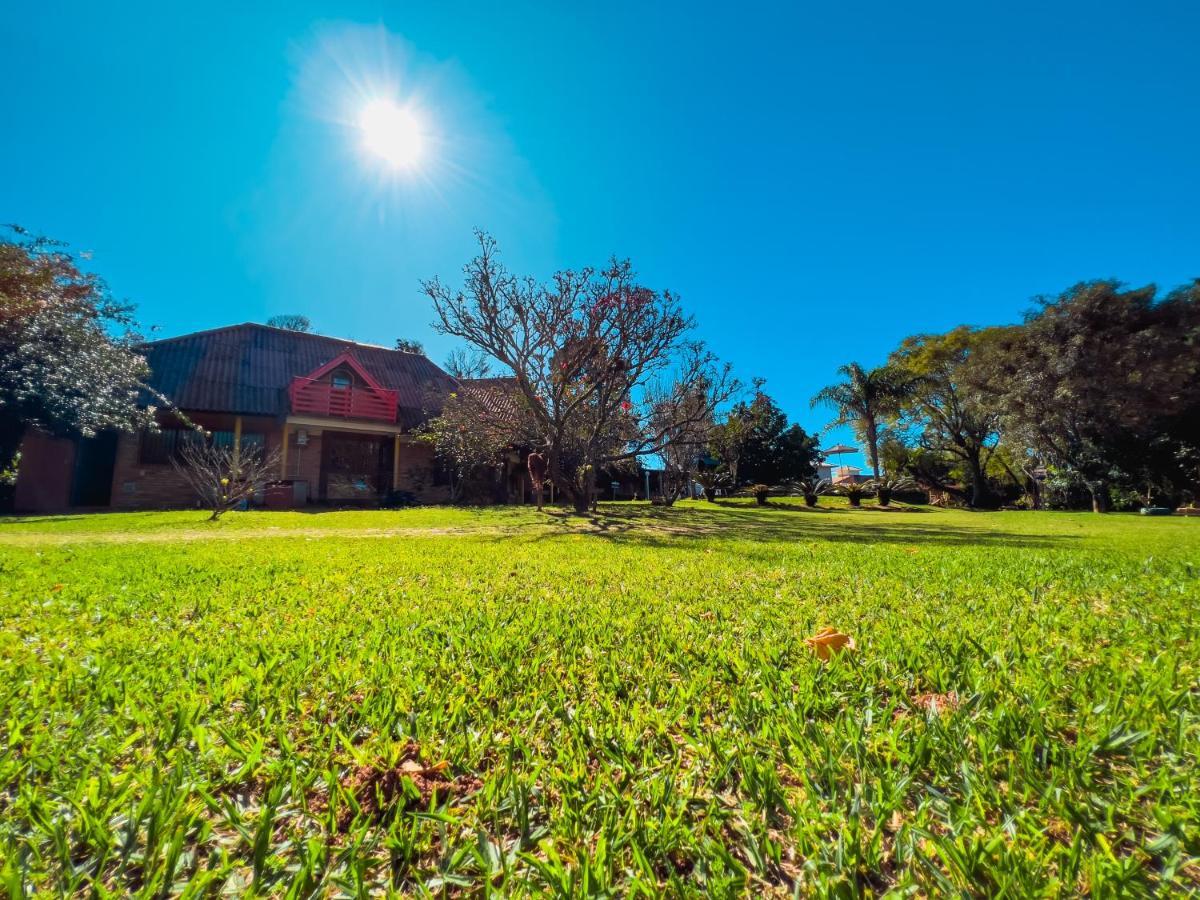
237, 442
396, 462
283, 453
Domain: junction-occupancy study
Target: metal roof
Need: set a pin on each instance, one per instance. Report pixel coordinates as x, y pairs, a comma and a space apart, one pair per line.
246, 369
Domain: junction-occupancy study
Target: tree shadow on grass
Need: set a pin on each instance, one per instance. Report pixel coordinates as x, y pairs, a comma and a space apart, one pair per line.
659, 527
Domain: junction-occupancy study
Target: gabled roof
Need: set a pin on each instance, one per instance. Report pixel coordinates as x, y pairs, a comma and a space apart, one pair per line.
347, 360
246, 369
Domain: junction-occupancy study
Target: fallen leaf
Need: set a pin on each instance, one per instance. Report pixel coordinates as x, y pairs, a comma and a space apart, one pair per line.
829, 641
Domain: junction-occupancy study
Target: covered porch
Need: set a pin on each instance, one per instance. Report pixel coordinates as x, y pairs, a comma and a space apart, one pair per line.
360, 463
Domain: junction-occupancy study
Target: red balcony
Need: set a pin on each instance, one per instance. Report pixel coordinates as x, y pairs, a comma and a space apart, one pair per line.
312, 397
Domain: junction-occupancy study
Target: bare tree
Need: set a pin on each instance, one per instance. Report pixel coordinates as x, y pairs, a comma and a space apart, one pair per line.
687, 437
603, 368
291, 322
223, 477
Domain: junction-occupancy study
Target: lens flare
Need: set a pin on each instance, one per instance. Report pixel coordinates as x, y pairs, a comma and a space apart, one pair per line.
393, 133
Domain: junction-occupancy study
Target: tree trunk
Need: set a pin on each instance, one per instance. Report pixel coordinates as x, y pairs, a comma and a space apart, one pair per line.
873, 447
584, 489
981, 495
1099, 493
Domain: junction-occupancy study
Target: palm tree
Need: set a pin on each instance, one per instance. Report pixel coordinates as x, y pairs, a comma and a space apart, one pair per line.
864, 398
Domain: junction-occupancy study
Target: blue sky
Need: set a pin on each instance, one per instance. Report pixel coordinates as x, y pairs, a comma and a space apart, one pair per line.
816, 180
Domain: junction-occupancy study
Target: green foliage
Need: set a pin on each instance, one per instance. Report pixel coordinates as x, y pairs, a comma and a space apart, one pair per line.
68, 352
774, 451
854, 491
755, 443
810, 489
183, 703
1100, 382
1096, 388
949, 405
888, 486
466, 441
865, 399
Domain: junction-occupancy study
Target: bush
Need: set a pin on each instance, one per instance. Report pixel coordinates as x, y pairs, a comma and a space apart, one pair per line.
810, 489
887, 488
854, 491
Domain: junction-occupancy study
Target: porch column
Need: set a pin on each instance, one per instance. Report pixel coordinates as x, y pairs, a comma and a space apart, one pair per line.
237, 441
395, 462
284, 452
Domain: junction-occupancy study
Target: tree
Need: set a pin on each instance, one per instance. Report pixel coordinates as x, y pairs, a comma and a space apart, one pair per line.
721, 466
684, 450
864, 399
409, 346
223, 477
774, 451
291, 322
1096, 377
69, 362
604, 367
468, 434
947, 403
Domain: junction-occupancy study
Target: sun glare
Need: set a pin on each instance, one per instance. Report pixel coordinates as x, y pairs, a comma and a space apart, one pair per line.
393, 133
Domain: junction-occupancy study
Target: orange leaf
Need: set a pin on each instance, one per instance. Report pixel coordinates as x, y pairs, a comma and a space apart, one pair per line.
829, 641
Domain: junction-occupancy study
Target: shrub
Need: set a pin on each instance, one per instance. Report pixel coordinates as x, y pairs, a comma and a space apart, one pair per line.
810, 489
854, 491
886, 488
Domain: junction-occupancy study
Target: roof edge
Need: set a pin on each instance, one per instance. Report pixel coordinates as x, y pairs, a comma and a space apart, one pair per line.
288, 331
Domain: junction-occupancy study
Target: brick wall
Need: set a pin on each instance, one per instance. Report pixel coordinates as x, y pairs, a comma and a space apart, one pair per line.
46, 468
138, 485
46, 471
416, 473
144, 486
304, 463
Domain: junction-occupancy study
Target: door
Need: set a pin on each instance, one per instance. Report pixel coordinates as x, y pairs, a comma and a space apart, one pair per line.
94, 459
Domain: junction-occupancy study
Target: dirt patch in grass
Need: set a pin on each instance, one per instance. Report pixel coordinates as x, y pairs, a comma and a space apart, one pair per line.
408, 786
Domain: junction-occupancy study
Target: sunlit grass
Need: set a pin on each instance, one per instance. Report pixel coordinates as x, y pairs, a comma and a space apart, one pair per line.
183, 705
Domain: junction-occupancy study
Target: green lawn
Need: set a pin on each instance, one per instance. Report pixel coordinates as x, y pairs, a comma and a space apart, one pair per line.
460, 701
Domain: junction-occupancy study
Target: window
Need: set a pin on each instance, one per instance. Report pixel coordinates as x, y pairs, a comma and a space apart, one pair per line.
341, 380
158, 448
249, 439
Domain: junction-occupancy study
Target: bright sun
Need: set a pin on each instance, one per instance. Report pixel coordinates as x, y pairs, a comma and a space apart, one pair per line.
392, 133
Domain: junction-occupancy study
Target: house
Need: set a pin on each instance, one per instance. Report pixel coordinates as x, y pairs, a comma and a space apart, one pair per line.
341, 415
849, 475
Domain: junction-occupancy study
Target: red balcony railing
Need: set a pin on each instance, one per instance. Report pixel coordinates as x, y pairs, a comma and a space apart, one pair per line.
320, 398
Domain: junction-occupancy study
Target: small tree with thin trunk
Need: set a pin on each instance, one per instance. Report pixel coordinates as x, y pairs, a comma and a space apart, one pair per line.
605, 368
224, 476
